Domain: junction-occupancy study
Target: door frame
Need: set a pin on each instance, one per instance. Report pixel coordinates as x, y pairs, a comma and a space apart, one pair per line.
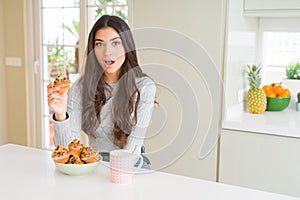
33, 72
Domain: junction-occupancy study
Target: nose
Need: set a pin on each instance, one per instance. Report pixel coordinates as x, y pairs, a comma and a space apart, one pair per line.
108, 50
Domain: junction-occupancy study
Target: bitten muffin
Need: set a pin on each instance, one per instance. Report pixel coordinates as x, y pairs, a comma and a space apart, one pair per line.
89, 155
75, 160
60, 154
63, 83
75, 147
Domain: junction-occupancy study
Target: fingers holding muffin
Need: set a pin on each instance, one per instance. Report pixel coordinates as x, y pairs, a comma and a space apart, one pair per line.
57, 96
60, 85
63, 83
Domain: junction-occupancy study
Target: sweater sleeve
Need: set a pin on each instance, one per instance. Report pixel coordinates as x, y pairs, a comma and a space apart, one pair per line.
144, 112
68, 130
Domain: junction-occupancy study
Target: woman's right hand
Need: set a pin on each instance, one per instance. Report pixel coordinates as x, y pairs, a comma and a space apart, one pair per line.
57, 102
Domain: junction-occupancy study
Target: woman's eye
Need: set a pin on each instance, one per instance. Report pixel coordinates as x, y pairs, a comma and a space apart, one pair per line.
116, 43
99, 44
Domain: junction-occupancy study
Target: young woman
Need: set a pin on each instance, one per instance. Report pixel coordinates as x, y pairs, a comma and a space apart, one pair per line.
112, 102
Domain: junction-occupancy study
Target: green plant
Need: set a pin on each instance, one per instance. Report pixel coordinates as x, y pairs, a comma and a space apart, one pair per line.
293, 71
58, 60
111, 10
298, 97
74, 30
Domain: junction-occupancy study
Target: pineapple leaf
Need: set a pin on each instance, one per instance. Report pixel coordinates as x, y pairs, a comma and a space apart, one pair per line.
254, 75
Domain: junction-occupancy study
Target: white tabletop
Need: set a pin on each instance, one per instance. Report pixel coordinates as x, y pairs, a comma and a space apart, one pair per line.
28, 173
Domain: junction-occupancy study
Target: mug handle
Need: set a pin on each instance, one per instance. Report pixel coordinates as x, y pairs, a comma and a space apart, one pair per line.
140, 164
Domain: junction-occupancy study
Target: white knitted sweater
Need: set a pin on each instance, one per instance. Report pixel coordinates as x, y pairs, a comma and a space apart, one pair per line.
70, 129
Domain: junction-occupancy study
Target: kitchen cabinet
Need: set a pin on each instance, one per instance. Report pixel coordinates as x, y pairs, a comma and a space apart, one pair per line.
265, 162
256, 151
271, 7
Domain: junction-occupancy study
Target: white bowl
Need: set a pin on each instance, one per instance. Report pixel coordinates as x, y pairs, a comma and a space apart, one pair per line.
75, 169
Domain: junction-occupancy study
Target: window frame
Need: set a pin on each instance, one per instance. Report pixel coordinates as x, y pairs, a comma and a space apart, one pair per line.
273, 24
33, 62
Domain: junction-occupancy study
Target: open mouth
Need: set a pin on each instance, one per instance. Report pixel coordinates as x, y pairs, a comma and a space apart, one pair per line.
109, 62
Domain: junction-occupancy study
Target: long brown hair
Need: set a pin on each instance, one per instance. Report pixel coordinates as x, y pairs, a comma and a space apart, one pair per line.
94, 88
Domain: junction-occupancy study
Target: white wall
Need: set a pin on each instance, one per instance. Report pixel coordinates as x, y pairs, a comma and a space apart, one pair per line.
241, 45
13, 28
3, 116
201, 24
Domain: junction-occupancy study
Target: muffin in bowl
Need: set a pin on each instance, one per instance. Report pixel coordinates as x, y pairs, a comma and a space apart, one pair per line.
60, 155
75, 160
89, 155
75, 147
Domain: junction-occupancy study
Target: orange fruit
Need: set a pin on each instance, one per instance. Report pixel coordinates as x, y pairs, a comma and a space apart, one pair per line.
285, 93
277, 89
282, 95
267, 88
270, 93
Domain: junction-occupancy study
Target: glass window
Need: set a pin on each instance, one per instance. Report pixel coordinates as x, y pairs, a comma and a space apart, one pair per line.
97, 8
281, 48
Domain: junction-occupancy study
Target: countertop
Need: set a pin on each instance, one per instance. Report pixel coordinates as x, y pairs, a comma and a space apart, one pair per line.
281, 123
29, 173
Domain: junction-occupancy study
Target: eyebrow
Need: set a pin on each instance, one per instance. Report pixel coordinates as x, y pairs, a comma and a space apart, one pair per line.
110, 39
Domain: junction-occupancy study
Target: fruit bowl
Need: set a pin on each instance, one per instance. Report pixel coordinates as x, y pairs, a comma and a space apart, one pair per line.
277, 104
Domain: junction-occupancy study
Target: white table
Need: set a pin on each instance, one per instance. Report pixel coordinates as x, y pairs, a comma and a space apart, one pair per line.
28, 173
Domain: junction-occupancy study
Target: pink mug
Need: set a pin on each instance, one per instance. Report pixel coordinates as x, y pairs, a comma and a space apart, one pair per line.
122, 165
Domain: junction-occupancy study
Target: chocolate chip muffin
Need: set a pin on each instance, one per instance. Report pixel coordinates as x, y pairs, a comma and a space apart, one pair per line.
63, 83
60, 154
75, 147
89, 155
75, 160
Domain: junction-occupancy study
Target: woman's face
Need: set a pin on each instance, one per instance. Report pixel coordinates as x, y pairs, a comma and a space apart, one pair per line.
109, 50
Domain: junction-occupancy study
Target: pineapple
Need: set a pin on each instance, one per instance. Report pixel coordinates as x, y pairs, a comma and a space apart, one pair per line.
256, 97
